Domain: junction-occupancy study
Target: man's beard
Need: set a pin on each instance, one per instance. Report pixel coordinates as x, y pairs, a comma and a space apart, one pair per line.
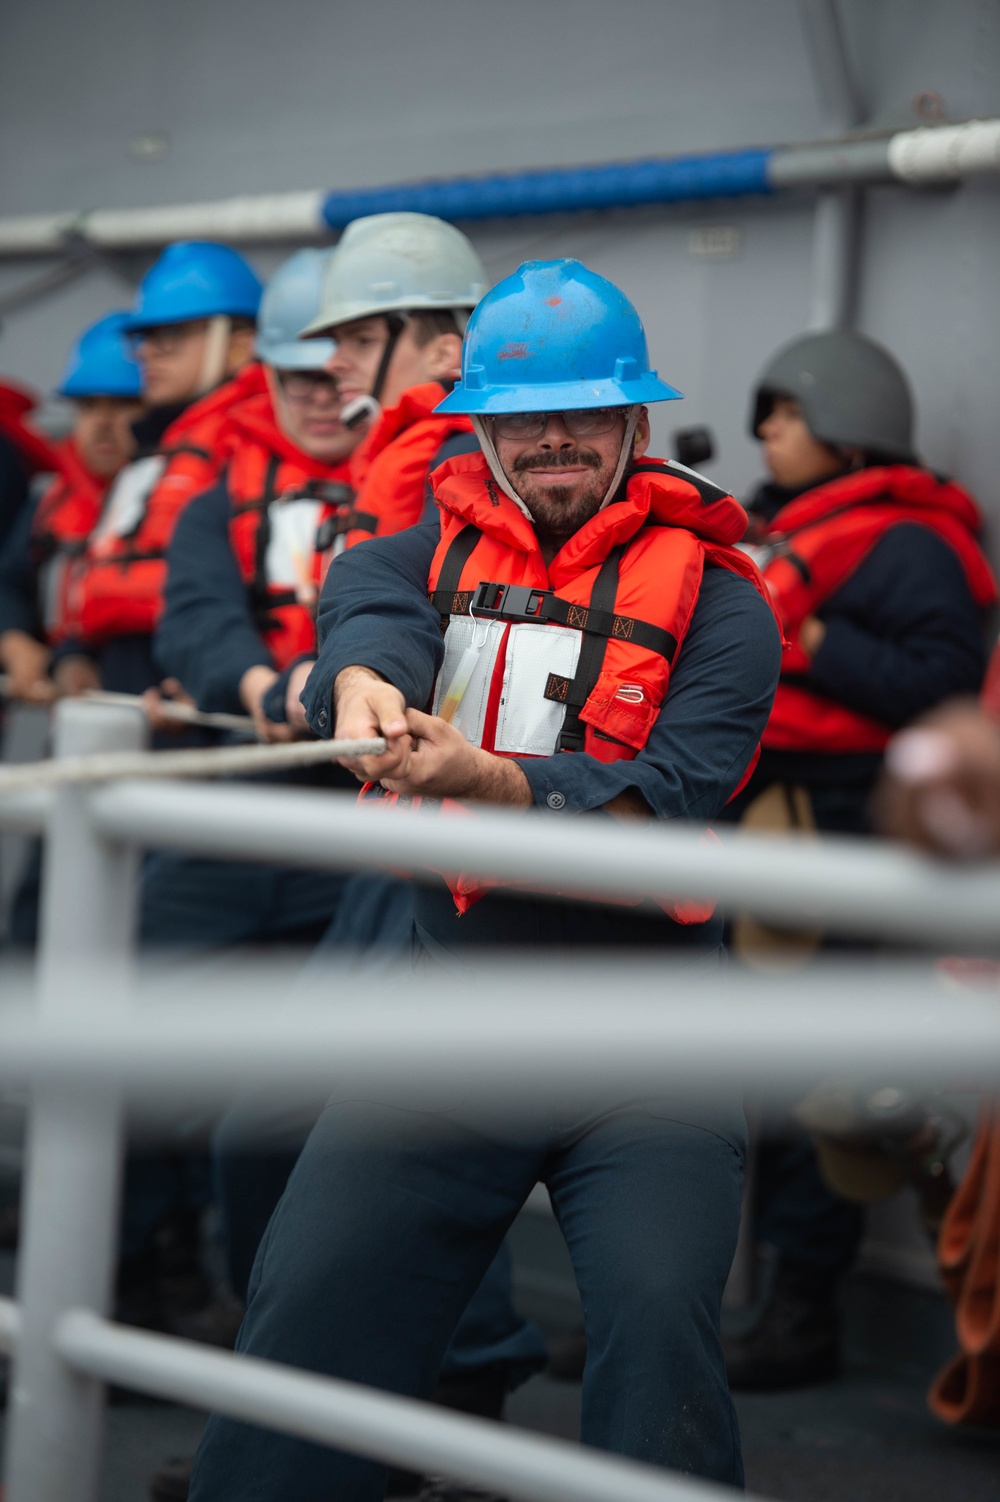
557, 511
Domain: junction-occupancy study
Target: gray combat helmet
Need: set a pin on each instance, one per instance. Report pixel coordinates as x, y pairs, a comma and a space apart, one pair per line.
851, 392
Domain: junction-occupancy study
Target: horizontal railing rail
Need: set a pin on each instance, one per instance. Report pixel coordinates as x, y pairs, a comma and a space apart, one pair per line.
532, 1033
95, 1037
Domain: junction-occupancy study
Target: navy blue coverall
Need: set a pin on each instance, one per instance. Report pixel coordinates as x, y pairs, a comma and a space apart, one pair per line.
384, 1230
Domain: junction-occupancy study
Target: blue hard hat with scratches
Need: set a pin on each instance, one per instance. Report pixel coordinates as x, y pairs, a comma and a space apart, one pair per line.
555, 336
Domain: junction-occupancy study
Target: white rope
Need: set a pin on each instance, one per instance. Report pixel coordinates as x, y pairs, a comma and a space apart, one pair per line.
170, 709
215, 761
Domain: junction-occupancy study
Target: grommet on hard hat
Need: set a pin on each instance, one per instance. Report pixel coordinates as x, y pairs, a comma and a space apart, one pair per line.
555, 337
195, 279
398, 263
291, 299
101, 362
851, 392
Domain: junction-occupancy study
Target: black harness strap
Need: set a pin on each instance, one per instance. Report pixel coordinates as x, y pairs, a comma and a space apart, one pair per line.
184, 448
448, 599
258, 584
517, 602
592, 650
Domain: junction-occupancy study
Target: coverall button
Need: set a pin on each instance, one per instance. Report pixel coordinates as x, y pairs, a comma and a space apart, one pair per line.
556, 800
322, 719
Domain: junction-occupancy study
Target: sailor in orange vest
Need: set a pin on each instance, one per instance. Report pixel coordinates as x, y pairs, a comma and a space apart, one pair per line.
876, 570
193, 328
396, 296
593, 603
103, 381
24, 452
249, 556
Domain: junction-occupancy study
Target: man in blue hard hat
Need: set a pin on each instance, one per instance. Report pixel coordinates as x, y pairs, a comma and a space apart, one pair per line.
593, 603
103, 381
193, 329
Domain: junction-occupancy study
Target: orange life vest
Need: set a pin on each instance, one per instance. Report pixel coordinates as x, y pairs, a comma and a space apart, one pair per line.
389, 468
576, 655
63, 521
289, 517
37, 453
116, 589
811, 548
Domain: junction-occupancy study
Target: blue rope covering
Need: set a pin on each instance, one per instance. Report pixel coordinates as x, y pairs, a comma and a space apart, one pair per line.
563, 190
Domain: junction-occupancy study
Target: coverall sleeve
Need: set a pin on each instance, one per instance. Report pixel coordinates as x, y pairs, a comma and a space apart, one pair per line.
903, 634
374, 613
14, 488
19, 579
208, 637
705, 736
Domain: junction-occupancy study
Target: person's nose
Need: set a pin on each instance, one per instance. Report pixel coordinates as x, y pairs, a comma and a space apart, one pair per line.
557, 435
336, 365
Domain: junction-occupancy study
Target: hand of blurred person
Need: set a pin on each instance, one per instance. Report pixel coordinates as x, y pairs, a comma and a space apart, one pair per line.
294, 710
253, 686
26, 664
74, 675
941, 785
170, 691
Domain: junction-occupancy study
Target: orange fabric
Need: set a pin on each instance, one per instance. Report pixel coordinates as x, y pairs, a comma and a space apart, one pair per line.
967, 1391
117, 588
670, 533
64, 518
389, 468
819, 540
37, 453
251, 442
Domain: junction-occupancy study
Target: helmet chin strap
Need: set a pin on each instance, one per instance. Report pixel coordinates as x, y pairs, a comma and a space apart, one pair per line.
496, 469
213, 360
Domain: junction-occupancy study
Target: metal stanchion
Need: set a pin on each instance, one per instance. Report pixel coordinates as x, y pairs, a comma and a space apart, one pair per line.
70, 1219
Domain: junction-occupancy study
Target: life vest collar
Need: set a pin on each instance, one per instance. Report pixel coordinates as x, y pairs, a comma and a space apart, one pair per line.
905, 484
210, 410
656, 492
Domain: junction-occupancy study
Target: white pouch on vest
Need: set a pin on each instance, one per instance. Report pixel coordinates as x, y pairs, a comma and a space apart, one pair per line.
292, 528
481, 640
528, 724
128, 498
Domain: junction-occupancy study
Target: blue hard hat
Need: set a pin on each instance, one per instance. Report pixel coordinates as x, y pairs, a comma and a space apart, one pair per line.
554, 337
101, 362
292, 300
195, 279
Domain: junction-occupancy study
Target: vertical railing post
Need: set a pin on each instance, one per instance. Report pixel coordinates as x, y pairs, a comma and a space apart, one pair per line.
71, 1195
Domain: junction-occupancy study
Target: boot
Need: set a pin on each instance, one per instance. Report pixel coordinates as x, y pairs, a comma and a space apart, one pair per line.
795, 1342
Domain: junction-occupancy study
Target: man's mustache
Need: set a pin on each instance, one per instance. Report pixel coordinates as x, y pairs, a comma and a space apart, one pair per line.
564, 459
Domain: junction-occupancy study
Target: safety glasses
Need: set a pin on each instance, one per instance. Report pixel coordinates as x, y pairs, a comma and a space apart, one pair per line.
583, 422
303, 385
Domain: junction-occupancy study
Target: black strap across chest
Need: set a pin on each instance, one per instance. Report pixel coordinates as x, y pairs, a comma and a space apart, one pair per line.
599, 622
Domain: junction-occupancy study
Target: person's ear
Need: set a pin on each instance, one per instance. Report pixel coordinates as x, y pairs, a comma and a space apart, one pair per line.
641, 443
241, 342
444, 357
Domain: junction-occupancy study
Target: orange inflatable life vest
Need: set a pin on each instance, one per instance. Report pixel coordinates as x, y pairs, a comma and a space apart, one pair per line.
576, 655
811, 548
116, 589
289, 518
389, 468
37, 453
63, 521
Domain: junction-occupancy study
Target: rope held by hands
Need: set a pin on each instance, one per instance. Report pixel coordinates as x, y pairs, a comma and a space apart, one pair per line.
216, 761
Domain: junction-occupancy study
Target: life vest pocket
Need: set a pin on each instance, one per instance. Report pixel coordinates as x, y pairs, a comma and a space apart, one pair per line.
623, 708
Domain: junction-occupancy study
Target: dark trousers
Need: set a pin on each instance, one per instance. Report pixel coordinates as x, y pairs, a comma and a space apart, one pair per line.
391, 1219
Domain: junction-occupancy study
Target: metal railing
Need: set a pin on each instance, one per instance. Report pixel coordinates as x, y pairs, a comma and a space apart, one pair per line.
84, 1048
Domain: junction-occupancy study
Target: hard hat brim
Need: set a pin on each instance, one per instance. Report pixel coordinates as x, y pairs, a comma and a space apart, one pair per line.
77, 390
296, 354
562, 396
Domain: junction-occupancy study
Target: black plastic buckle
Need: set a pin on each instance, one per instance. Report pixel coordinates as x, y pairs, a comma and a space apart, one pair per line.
510, 602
